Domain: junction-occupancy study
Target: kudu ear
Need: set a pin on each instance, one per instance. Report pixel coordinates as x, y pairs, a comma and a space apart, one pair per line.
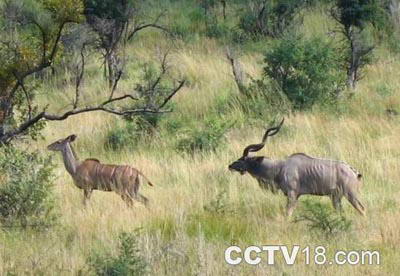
71, 138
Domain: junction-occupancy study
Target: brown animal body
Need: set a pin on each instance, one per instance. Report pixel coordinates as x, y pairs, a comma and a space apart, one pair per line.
91, 175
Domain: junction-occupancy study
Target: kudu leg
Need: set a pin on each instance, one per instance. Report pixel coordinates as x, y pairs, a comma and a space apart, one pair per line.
134, 193
352, 198
86, 196
337, 202
127, 199
291, 203
142, 199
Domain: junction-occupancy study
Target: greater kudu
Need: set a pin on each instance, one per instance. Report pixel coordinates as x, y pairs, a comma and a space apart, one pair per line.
300, 174
91, 175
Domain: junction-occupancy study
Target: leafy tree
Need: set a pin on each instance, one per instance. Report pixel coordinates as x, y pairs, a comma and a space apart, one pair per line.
354, 16
305, 70
116, 22
30, 44
31, 32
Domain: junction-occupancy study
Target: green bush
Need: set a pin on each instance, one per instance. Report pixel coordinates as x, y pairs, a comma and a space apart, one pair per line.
205, 138
174, 124
121, 136
127, 262
323, 219
218, 31
306, 70
131, 131
26, 189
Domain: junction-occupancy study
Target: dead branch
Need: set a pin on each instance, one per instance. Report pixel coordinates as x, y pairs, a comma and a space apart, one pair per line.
44, 115
237, 71
142, 26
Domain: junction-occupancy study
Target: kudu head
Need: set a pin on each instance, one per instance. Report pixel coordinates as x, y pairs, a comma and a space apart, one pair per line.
242, 164
61, 144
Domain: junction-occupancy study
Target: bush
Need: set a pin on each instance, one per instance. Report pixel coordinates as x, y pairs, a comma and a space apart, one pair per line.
322, 218
26, 189
131, 131
127, 262
306, 70
218, 31
206, 138
121, 136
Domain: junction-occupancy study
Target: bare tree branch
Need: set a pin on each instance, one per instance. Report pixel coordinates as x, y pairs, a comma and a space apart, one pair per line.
47, 61
237, 71
167, 99
142, 26
114, 87
26, 93
44, 39
8, 136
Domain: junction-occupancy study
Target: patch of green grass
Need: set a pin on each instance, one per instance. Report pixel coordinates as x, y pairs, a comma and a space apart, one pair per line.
167, 228
217, 227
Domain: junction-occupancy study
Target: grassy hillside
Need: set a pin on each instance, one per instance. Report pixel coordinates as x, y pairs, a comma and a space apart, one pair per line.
179, 235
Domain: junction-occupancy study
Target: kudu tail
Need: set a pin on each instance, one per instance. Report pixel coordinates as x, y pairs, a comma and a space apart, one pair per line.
147, 180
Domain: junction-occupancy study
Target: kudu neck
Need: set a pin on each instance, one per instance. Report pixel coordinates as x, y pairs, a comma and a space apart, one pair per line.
266, 168
70, 160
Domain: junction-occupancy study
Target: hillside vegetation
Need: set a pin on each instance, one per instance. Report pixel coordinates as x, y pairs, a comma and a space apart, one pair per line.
197, 206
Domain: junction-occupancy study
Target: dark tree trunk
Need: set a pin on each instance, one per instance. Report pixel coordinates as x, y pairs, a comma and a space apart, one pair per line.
352, 70
223, 8
5, 112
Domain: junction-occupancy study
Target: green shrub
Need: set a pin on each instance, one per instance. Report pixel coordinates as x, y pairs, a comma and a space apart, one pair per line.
131, 131
219, 205
215, 30
204, 138
306, 70
147, 123
26, 189
121, 136
384, 90
127, 262
322, 218
174, 124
